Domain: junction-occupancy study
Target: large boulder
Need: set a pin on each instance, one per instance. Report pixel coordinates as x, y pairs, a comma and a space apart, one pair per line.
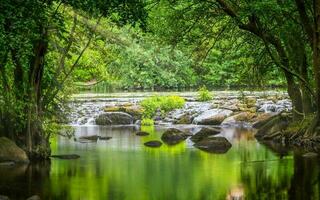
212, 117
135, 111
240, 118
204, 133
114, 118
9, 151
262, 119
274, 126
214, 145
173, 136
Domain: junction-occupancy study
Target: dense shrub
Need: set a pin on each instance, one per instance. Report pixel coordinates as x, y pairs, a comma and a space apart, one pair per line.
162, 103
147, 122
204, 94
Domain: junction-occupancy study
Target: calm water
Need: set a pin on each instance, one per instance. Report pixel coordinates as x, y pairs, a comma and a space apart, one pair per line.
122, 168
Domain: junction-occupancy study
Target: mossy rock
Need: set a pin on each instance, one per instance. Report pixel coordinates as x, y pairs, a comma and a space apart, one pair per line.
9, 151
204, 133
142, 133
214, 145
275, 125
153, 143
185, 119
173, 136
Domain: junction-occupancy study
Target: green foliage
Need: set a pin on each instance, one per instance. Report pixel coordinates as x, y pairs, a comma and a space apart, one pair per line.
204, 94
147, 122
161, 103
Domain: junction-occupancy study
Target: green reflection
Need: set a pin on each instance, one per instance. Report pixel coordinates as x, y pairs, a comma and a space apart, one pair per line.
168, 172
122, 168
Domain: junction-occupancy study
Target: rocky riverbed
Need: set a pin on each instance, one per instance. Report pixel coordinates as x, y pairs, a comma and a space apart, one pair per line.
226, 109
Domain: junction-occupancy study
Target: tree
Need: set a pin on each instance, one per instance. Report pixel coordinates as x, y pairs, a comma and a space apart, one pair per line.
30, 83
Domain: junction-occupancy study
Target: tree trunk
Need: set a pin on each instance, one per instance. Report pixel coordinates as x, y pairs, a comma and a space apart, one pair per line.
36, 141
316, 68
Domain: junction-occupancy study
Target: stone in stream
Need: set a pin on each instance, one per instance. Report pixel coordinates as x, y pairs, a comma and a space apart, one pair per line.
184, 119
134, 110
262, 119
204, 133
214, 145
273, 126
212, 117
66, 156
9, 151
114, 118
240, 118
173, 136
153, 143
142, 133
90, 137
104, 138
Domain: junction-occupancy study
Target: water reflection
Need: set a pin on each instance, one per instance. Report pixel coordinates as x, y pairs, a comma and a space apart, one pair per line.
122, 168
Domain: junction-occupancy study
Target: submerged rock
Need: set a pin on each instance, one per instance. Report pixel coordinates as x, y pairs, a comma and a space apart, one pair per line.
214, 145
66, 156
212, 117
114, 118
153, 143
9, 151
104, 138
173, 136
91, 137
204, 133
142, 133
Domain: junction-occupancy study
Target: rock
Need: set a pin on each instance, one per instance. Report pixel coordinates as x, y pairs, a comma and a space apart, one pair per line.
310, 155
214, 145
184, 119
66, 156
212, 117
204, 133
262, 119
142, 133
135, 111
104, 138
273, 126
34, 197
9, 151
238, 119
250, 102
173, 136
91, 137
2, 197
153, 143
114, 118
231, 107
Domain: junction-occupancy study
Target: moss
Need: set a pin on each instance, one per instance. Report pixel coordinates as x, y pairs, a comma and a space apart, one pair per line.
299, 126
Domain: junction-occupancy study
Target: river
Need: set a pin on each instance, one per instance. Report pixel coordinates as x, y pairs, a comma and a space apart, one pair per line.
123, 168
